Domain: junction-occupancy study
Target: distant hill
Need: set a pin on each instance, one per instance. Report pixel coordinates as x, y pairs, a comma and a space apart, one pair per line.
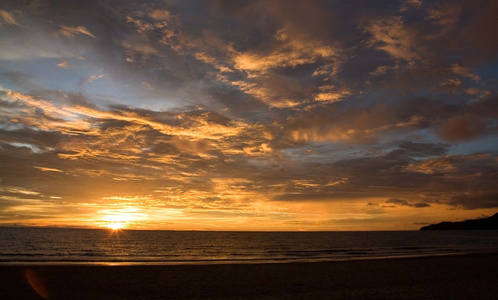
485, 223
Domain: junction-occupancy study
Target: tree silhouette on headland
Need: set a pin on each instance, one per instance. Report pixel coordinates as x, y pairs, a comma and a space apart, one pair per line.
477, 224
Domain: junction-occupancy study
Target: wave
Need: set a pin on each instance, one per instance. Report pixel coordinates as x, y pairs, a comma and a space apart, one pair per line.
88, 246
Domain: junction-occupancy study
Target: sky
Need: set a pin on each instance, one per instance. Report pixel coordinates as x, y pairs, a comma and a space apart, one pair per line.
248, 115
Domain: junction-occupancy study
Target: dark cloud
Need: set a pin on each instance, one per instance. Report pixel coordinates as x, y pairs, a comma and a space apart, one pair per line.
485, 107
462, 127
43, 140
480, 31
410, 149
475, 200
403, 202
397, 201
420, 204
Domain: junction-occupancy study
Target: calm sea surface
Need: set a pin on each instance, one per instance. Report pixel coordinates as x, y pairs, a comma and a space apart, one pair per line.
88, 246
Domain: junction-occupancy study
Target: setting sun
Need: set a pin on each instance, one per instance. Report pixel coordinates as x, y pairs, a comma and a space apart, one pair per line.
121, 218
116, 226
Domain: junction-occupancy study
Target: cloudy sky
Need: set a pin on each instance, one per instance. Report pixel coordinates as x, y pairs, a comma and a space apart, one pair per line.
248, 115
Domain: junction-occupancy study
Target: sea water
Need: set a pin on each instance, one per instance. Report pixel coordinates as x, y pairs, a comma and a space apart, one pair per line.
95, 246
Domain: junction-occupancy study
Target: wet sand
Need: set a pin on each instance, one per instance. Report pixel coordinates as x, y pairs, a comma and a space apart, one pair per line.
444, 277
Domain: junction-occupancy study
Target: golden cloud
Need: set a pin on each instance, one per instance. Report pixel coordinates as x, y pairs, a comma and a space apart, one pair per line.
8, 17
71, 31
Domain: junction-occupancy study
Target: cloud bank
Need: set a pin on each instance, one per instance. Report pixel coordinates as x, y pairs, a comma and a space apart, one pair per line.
248, 115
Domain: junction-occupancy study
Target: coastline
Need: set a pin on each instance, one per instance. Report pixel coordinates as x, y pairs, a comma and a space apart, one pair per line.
208, 262
466, 276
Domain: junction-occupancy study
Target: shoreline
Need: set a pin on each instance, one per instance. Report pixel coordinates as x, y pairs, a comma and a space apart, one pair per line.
237, 262
233, 262
468, 276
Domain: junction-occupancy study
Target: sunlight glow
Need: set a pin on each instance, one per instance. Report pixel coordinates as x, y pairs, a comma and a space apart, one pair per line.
116, 219
116, 226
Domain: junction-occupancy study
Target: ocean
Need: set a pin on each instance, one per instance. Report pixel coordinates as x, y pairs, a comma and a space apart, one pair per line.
99, 246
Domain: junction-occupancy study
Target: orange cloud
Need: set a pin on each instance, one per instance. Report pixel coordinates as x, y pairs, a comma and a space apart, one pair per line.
273, 89
396, 39
8, 18
290, 51
353, 126
48, 169
329, 93
71, 31
160, 14
432, 166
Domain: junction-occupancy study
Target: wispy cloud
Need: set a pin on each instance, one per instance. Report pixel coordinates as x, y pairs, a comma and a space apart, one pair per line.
65, 65
8, 18
72, 31
48, 169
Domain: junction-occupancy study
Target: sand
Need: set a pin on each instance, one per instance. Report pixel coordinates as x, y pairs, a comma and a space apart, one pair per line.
444, 277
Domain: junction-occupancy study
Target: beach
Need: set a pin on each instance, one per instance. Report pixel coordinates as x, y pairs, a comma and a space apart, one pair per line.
451, 277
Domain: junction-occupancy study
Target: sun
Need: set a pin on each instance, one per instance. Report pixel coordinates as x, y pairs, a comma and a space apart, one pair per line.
116, 226
120, 218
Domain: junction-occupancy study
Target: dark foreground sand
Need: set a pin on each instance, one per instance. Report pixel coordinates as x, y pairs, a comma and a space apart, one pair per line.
450, 277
